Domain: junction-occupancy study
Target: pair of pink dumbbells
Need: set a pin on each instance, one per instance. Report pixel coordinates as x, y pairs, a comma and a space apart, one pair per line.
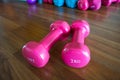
94, 4
89, 4
75, 54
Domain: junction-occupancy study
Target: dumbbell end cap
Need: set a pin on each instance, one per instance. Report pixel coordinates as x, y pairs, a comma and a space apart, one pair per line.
35, 54
81, 24
76, 56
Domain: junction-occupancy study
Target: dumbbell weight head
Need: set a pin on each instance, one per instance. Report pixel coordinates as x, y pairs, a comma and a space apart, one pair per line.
109, 2
106, 2
58, 3
91, 4
45, 1
118, 1
40, 1
76, 54
36, 53
71, 3
81, 24
31, 2
48, 1
94, 4
83, 4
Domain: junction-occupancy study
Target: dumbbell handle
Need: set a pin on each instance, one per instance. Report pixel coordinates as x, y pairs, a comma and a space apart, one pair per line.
51, 38
78, 36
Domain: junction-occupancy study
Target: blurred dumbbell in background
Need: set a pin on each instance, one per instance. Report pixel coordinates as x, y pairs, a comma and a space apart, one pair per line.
109, 2
89, 4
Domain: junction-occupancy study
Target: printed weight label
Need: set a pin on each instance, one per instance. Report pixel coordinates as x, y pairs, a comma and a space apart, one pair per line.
74, 61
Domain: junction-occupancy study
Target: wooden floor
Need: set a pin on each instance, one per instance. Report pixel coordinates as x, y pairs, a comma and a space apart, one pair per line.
20, 23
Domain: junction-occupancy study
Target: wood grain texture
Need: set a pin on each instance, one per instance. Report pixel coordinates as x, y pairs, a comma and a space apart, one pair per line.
20, 23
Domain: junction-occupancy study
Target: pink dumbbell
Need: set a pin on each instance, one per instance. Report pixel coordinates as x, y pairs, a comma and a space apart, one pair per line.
91, 4
37, 53
48, 1
109, 2
76, 54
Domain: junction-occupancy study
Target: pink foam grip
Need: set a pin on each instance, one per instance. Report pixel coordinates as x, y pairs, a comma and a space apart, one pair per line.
76, 54
36, 53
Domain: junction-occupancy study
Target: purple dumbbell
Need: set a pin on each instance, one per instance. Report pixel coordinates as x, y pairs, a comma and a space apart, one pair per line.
76, 54
31, 2
36, 53
91, 4
109, 2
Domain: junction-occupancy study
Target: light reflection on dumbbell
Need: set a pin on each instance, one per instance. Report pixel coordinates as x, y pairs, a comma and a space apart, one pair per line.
31, 2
